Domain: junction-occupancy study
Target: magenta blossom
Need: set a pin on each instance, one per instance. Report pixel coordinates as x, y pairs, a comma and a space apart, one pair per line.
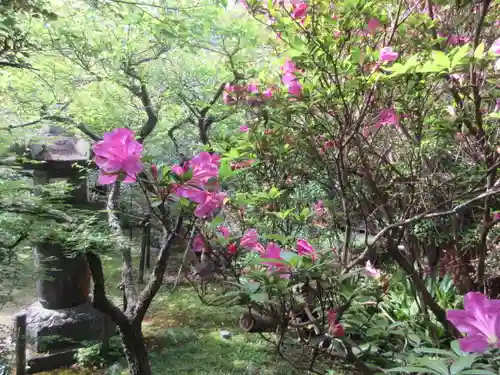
387, 54
288, 67
373, 25
272, 252
118, 153
211, 202
299, 10
271, 257
250, 239
253, 88
480, 320
267, 94
198, 244
224, 231
294, 88
388, 117
495, 47
319, 208
304, 248
244, 128
372, 271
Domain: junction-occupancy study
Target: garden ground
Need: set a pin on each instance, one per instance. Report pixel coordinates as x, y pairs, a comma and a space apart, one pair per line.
183, 335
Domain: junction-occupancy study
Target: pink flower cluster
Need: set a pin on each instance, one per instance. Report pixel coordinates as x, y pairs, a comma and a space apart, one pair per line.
250, 94
454, 39
271, 254
299, 10
118, 156
200, 184
290, 80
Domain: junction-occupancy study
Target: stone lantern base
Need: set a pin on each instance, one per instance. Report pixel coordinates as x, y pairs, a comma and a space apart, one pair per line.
51, 330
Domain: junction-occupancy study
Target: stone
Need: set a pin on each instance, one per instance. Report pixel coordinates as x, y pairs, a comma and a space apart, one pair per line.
49, 330
63, 278
226, 335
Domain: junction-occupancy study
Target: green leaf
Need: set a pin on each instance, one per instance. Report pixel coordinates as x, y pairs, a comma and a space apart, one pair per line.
441, 59
408, 370
305, 213
462, 363
439, 366
478, 372
443, 352
478, 53
225, 170
259, 297
460, 54
277, 237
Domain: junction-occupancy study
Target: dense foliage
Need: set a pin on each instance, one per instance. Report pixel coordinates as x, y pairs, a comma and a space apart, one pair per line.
334, 164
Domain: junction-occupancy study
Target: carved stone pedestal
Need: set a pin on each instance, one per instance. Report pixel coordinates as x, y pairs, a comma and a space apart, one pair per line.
51, 330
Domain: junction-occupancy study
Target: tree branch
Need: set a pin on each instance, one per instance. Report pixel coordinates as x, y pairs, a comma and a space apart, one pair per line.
68, 120
99, 299
156, 278
423, 216
123, 245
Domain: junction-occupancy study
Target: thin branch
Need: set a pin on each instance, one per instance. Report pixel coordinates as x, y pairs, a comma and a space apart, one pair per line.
423, 216
68, 120
99, 299
156, 278
123, 245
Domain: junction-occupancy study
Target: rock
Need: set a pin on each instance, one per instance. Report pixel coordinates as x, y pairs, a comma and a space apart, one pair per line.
226, 335
50, 330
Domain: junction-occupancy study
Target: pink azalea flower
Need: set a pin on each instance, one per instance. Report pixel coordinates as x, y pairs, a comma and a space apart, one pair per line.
272, 252
268, 94
373, 25
250, 239
244, 128
227, 95
319, 208
118, 153
480, 320
299, 10
198, 244
304, 248
388, 117
178, 170
387, 54
454, 39
372, 271
497, 106
224, 231
288, 78
294, 88
289, 67
252, 88
495, 47
211, 202
205, 166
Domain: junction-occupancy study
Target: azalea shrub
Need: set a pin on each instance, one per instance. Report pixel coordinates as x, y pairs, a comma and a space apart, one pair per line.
359, 199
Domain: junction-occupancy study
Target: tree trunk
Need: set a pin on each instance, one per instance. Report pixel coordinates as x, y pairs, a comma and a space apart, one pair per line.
135, 349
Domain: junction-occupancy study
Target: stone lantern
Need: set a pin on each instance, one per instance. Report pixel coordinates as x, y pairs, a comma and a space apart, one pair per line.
62, 316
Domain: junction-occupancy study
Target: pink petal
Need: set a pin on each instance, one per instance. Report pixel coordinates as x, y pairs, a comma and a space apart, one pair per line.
473, 344
106, 179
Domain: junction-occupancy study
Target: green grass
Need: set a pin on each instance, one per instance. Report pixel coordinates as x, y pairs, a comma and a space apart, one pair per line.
186, 334
182, 334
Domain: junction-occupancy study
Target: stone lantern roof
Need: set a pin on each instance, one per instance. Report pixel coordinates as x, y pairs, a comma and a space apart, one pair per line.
56, 144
